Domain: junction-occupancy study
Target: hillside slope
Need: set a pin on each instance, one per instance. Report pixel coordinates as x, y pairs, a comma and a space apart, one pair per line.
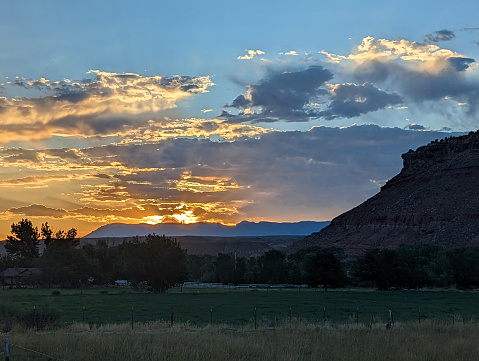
433, 200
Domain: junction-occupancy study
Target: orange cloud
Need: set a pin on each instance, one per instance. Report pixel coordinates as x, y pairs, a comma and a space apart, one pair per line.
102, 106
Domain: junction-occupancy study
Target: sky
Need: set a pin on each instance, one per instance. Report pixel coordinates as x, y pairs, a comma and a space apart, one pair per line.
218, 111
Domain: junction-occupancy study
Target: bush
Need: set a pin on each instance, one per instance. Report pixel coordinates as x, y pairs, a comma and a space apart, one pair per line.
39, 319
11, 314
7, 315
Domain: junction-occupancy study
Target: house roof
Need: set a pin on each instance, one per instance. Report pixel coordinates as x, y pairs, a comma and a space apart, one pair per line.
18, 272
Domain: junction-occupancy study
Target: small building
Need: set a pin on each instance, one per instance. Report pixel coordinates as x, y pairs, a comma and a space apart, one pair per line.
19, 276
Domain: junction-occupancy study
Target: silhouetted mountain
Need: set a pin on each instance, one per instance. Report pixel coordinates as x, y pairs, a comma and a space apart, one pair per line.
433, 200
244, 228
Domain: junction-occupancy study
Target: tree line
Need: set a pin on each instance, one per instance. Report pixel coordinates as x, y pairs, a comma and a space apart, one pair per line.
159, 262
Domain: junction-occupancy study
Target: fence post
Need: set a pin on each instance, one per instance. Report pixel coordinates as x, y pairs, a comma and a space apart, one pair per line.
7, 354
211, 315
390, 319
419, 316
34, 318
255, 325
357, 316
452, 309
171, 316
290, 316
132, 310
324, 313
83, 315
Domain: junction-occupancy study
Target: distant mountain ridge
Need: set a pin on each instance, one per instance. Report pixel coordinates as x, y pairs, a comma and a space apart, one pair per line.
242, 229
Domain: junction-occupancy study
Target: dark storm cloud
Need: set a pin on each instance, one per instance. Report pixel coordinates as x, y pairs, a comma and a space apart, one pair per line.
351, 100
239, 102
282, 96
460, 64
439, 36
415, 127
294, 97
419, 86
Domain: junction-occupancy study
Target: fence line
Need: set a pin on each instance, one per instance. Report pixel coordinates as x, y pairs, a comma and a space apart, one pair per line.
38, 353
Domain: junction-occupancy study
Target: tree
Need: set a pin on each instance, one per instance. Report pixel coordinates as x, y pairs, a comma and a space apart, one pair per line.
324, 268
159, 261
378, 267
24, 241
464, 267
64, 265
46, 232
272, 266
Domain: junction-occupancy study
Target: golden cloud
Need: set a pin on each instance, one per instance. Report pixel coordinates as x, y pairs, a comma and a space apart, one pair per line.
423, 57
103, 105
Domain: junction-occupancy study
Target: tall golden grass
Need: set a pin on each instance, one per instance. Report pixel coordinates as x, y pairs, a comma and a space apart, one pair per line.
295, 341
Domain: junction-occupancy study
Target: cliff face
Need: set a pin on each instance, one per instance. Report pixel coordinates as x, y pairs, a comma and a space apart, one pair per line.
433, 200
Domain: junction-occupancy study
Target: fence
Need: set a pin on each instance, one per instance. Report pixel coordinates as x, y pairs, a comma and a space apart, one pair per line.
15, 352
44, 308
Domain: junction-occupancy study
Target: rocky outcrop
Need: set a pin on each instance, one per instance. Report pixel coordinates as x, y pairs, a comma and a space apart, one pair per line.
433, 200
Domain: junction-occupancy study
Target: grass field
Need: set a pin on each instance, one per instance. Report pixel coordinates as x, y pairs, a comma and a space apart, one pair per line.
405, 342
236, 306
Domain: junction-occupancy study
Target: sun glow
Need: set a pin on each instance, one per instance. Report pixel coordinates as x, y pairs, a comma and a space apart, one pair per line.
185, 218
182, 215
152, 220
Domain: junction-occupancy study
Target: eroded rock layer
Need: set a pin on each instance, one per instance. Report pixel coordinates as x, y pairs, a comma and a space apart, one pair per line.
434, 200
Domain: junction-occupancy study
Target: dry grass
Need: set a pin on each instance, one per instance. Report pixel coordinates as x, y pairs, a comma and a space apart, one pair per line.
155, 341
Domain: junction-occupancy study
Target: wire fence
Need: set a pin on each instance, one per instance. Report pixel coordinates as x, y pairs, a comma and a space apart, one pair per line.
14, 352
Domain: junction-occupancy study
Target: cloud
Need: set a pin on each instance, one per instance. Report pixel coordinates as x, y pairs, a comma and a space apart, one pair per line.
427, 58
291, 52
421, 74
304, 95
278, 175
281, 96
108, 104
414, 126
378, 74
460, 64
250, 54
37, 210
440, 35
352, 100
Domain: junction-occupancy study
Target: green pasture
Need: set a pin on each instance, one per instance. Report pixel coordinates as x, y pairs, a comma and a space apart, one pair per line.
237, 306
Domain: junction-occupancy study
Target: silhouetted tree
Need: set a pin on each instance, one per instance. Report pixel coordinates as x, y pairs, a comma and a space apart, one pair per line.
272, 265
24, 241
64, 265
464, 267
324, 268
159, 261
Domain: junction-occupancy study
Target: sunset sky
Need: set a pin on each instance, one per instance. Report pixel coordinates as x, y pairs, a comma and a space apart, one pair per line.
219, 111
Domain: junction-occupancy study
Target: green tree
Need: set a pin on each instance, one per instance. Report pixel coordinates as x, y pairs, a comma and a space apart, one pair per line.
272, 265
61, 262
64, 265
252, 270
229, 268
24, 241
159, 261
378, 268
464, 267
324, 268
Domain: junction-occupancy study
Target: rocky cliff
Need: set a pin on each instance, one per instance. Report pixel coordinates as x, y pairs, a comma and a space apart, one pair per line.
433, 200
